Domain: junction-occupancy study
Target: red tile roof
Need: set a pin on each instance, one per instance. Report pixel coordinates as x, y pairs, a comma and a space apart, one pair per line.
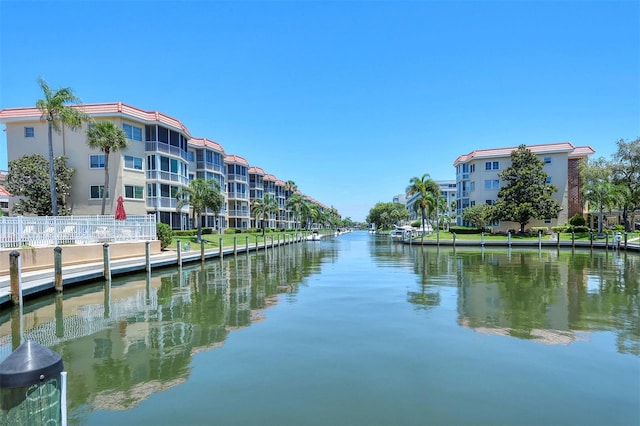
537, 149
270, 177
208, 143
101, 109
4, 192
236, 159
280, 182
256, 170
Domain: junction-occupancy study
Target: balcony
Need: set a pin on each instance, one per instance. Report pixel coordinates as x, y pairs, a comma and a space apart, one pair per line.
204, 165
238, 213
237, 178
167, 176
237, 195
168, 149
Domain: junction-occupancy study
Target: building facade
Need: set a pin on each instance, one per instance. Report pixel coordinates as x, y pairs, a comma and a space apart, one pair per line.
160, 160
447, 193
478, 182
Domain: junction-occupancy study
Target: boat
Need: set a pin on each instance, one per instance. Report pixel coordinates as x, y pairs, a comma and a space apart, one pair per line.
315, 236
401, 232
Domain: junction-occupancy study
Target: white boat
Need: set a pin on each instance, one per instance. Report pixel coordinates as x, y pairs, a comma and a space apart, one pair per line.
315, 236
401, 232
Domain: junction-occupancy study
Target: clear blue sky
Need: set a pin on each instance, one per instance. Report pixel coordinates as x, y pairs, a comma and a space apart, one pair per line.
348, 99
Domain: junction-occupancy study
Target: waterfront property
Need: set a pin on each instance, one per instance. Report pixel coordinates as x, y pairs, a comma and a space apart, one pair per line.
352, 330
478, 182
161, 158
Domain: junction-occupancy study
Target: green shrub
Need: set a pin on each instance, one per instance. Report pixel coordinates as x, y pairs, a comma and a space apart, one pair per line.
577, 220
536, 229
578, 229
464, 230
164, 234
253, 230
416, 224
208, 231
559, 229
230, 231
185, 233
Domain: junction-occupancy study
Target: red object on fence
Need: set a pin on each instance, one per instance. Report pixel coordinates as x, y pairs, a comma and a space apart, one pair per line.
120, 213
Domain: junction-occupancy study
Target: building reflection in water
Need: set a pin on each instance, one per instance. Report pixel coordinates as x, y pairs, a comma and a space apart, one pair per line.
137, 336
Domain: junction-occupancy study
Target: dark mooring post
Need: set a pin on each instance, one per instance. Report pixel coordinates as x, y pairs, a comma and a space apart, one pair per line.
15, 277
202, 250
147, 255
107, 261
33, 387
179, 253
235, 246
246, 244
57, 266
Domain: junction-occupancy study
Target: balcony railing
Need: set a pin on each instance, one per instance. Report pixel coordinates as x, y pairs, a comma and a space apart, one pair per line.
166, 176
238, 195
237, 178
153, 146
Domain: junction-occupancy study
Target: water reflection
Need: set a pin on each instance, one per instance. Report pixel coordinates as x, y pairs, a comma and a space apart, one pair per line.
137, 336
553, 297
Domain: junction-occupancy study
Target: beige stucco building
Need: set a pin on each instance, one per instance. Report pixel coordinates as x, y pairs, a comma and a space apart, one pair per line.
478, 182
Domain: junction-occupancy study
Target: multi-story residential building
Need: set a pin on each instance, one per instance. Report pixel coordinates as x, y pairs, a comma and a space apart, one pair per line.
478, 181
4, 194
147, 174
206, 161
239, 209
161, 159
447, 192
270, 189
256, 190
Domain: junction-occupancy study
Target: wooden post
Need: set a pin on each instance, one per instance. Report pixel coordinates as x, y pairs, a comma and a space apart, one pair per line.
606, 241
57, 267
591, 239
509, 239
221, 253
15, 277
558, 240
278, 239
454, 240
573, 239
482, 239
179, 253
107, 261
256, 243
147, 255
246, 243
202, 250
235, 246
272, 241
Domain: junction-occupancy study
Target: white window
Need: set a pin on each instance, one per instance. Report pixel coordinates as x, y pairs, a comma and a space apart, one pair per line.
132, 132
29, 132
132, 162
96, 161
96, 191
136, 192
547, 160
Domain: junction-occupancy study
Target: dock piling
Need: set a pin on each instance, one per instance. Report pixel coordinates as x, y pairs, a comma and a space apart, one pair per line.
57, 268
15, 277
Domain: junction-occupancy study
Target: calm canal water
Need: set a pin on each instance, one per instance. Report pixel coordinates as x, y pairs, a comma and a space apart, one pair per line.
354, 331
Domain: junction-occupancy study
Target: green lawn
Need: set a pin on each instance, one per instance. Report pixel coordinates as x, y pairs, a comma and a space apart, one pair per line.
213, 240
444, 235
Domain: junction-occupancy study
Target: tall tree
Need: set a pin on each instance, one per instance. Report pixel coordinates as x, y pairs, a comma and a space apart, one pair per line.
56, 112
526, 194
428, 192
263, 207
385, 215
478, 215
106, 137
200, 195
626, 173
28, 178
604, 195
294, 204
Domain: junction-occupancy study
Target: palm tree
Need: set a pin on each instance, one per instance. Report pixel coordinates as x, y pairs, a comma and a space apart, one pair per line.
428, 193
290, 187
56, 112
262, 207
604, 195
200, 195
294, 204
106, 137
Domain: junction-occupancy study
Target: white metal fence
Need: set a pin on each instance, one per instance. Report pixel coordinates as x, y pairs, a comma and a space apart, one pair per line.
53, 231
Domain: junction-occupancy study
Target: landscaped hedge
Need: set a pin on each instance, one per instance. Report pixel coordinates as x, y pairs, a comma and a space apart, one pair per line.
164, 234
464, 230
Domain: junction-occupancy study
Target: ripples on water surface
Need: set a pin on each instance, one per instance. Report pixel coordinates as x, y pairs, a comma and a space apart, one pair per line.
354, 330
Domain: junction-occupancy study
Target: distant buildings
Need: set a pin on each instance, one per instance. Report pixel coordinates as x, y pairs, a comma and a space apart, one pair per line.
162, 158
